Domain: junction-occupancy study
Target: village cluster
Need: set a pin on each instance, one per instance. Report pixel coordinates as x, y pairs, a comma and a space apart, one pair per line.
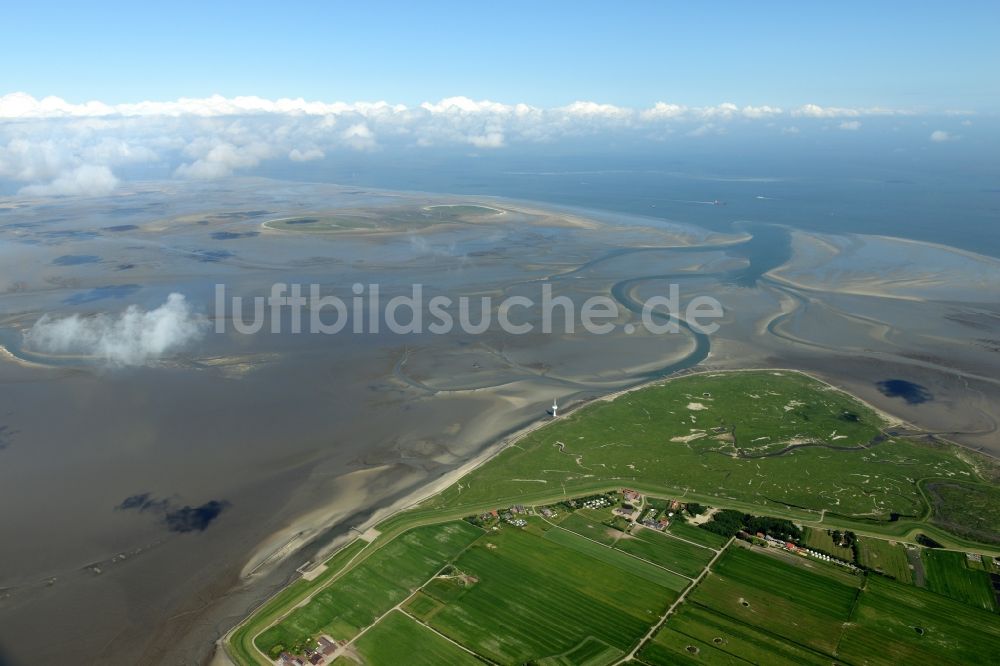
492, 519
627, 509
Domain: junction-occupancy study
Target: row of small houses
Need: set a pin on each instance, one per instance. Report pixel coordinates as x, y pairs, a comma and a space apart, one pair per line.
516, 510
795, 548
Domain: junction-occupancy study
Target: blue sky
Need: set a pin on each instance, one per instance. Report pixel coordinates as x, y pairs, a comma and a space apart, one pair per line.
91, 97
895, 54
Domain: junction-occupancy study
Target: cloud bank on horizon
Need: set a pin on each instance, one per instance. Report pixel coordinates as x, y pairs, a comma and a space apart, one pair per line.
52, 147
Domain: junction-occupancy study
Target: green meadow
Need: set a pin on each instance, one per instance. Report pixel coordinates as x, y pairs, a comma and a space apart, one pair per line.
695, 534
886, 557
388, 219
591, 652
536, 598
821, 540
902, 624
696, 634
769, 441
384, 579
643, 568
398, 639
241, 644
761, 608
804, 603
422, 605
590, 528
948, 573
324, 223
680, 556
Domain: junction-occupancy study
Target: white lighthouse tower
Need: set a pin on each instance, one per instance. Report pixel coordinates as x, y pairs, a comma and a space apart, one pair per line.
555, 408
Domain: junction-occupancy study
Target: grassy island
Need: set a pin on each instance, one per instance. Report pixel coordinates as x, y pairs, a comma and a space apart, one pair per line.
719, 517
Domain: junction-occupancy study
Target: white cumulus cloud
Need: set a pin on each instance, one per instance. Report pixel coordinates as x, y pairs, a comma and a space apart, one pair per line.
663, 111
469, 106
940, 136
53, 146
134, 337
593, 109
850, 125
305, 155
86, 180
488, 140
817, 111
761, 111
359, 137
217, 159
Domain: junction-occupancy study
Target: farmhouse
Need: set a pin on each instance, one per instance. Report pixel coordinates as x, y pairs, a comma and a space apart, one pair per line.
627, 511
326, 645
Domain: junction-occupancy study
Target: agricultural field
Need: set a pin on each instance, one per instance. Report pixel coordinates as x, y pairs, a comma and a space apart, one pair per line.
823, 450
694, 533
445, 590
421, 605
549, 599
674, 554
696, 634
802, 602
767, 609
365, 592
948, 574
902, 624
398, 639
885, 556
819, 539
618, 559
670, 647
590, 528
591, 652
